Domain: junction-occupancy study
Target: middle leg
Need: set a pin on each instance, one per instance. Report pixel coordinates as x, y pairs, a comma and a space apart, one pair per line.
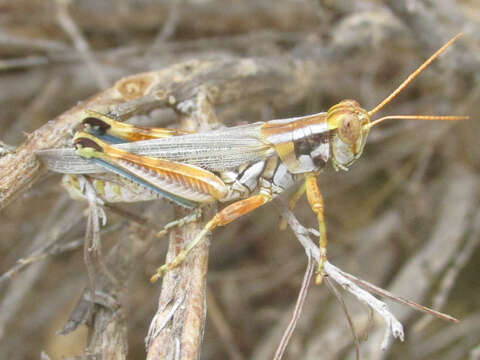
315, 199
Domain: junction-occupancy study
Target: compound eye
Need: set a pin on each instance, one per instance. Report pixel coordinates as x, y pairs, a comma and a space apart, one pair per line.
350, 129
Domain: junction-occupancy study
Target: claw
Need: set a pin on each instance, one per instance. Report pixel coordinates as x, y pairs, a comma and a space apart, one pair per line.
319, 277
160, 272
155, 277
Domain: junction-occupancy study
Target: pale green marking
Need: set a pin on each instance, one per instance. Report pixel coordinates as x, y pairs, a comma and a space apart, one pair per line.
100, 187
88, 152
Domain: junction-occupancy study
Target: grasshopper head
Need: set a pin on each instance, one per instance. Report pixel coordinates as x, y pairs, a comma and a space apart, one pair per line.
349, 124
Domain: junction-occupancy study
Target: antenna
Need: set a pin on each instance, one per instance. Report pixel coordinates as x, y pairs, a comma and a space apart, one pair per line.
416, 117
411, 77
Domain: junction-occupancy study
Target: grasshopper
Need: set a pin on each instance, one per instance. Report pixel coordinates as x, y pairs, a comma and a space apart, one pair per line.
248, 164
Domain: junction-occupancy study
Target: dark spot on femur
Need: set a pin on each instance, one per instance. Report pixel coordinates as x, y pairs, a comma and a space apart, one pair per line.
87, 143
97, 124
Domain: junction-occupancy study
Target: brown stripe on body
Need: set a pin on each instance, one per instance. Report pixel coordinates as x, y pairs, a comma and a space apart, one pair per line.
299, 142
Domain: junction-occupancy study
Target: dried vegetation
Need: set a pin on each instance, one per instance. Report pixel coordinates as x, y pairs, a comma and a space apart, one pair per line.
406, 217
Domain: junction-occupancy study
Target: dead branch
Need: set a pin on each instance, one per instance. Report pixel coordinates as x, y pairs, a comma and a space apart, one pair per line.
224, 81
393, 328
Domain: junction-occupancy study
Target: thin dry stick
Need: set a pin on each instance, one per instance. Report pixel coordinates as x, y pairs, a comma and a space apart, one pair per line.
224, 331
12, 298
47, 247
109, 331
460, 261
69, 26
32, 43
161, 318
167, 29
448, 280
349, 282
393, 327
382, 292
425, 347
89, 265
52, 248
6, 149
337, 294
302, 295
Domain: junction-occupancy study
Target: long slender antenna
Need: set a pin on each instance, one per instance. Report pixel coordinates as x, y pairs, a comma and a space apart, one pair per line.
417, 117
413, 75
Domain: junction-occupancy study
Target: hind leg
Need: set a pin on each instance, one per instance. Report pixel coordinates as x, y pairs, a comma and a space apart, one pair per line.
223, 217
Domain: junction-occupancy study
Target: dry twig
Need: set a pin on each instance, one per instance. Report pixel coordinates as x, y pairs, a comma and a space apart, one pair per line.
393, 326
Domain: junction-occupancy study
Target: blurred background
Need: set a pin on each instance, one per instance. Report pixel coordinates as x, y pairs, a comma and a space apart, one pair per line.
405, 217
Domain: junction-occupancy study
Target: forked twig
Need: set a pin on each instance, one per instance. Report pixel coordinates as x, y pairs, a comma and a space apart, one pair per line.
394, 327
338, 295
382, 292
354, 286
298, 308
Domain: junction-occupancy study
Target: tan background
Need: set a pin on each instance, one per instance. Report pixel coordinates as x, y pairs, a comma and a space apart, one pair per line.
404, 217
